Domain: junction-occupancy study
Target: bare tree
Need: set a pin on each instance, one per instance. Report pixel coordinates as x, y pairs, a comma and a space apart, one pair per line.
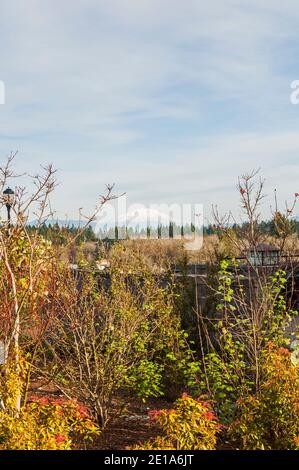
28, 262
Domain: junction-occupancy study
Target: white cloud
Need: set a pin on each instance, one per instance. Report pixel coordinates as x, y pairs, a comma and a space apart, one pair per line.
126, 90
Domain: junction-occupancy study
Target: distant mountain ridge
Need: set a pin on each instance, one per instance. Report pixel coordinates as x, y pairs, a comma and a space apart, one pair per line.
64, 223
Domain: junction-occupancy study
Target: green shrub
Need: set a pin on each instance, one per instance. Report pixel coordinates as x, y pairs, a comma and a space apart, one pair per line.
41, 423
46, 425
270, 419
191, 425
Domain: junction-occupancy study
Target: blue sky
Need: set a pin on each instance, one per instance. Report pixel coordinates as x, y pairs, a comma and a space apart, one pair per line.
170, 99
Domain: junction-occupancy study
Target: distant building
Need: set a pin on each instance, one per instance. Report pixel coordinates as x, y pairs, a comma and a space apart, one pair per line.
264, 254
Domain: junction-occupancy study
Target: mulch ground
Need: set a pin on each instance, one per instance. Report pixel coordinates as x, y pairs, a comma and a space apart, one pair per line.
130, 428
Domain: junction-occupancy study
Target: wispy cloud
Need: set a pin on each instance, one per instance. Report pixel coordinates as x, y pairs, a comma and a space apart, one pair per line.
168, 99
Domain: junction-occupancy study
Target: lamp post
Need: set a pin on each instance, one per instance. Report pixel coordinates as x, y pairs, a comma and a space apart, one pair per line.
8, 196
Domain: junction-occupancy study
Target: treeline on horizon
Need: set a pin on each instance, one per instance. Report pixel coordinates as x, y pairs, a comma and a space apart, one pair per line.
58, 233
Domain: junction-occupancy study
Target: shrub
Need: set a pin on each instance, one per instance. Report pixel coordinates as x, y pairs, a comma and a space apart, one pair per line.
38, 423
45, 424
243, 327
270, 419
191, 425
120, 335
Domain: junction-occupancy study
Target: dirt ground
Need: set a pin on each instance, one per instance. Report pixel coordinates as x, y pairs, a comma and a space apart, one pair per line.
130, 428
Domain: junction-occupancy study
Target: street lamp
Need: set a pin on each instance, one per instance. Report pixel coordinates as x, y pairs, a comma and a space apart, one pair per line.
8, 196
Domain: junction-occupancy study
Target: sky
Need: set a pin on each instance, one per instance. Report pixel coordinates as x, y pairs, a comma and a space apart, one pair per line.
170, 100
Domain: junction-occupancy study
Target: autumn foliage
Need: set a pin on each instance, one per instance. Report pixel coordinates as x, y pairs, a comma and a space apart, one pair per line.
270, 419
43, 422
190, 425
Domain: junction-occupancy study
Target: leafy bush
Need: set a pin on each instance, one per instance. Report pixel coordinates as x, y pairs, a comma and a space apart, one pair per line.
270, 419
41, 422
243, 327
45, 424
120, 335
191, 425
